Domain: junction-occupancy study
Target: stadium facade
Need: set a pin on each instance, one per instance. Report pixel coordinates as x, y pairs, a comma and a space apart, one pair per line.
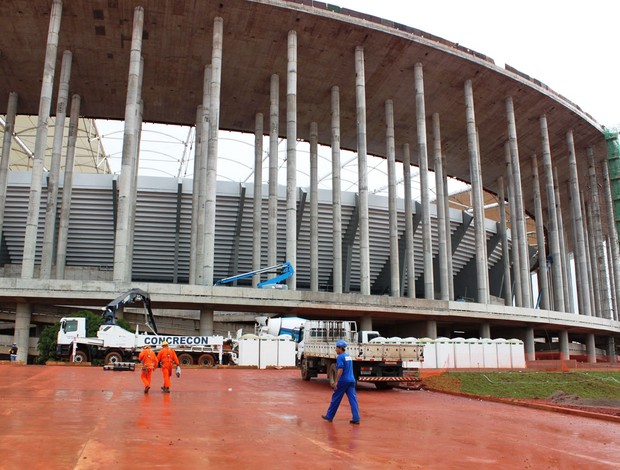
304, 70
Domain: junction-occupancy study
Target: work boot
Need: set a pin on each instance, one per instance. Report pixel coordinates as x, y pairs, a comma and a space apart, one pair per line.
146, 389
166, 390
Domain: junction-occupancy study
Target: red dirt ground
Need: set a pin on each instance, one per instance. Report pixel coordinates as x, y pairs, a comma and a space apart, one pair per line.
87, 418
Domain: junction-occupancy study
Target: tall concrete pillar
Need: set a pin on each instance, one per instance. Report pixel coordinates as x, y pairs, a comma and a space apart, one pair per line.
431, 329
366, 323
514, 235
427, 241
362, 168
258, 197
274, 129
612, 281
593, 277
67, 188
197, 234
564, 352
573, 228
482, 271
605, 288
543, 281
485, 330
392, 209
49, 232
591, 348
569, 301
444, 276
580, 252
206, 322
524, 257
45, 102
23, 315
444, 164
552, 221
336, 192
214, 125
314, 208
409, 251
613, 237
122, 239
9, 128
530, 351
611, 350
291, 156
505, 251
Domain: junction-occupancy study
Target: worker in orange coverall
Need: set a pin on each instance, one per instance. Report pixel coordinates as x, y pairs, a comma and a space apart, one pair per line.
167, 359
148, 358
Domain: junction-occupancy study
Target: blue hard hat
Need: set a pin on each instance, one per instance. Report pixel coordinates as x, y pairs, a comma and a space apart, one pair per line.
341, 343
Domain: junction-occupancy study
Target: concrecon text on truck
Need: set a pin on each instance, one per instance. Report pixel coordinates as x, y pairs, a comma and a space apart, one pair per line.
114, 344
375, 359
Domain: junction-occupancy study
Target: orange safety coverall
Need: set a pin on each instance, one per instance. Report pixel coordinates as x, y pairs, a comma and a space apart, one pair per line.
148, 358
168, 359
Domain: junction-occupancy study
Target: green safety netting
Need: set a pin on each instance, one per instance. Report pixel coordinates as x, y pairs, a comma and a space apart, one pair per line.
613, 158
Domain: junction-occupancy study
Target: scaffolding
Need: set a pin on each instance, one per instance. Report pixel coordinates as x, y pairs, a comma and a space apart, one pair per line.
613, 158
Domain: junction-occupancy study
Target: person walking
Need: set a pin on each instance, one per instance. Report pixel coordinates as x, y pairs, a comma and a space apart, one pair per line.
167, 359
13, 352
149, 361
345, 383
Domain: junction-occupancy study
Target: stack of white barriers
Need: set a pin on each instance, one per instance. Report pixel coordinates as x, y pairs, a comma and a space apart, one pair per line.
266, 351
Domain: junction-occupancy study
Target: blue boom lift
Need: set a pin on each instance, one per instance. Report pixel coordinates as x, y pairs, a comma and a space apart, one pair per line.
284, 270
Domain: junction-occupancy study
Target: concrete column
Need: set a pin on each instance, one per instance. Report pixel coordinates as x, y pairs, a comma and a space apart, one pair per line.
67, 188
582, 285
431, 329
530, 350
552, 221
365, 323
591, 348
49, 232
9, 128
543, 281
392, 209
611, 350
593, 277
569, 301
362, 168
573, 228
505, 251
23, 315
336, 192
196, 239
45, 102
214, 125
291, 156
122, 239
314, 208
605, 288
409, 251
524, 257
564, 353
612, 282
514, 236
444, 276
482, 270
485, 330
274, 129
444, 164
613, 236
427, 241
206, 322
258, 198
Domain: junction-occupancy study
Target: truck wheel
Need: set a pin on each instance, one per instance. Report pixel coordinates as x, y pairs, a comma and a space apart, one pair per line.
113, 358
80, 356
332, 372
305, 373
384, 386
186, 359
206, 360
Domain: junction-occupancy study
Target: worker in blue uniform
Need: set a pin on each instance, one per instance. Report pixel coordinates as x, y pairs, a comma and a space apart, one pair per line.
344, 383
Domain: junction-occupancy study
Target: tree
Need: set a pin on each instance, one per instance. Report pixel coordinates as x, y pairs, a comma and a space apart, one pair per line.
47, 340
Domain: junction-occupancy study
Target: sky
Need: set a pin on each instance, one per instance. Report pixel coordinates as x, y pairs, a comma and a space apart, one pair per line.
569, 45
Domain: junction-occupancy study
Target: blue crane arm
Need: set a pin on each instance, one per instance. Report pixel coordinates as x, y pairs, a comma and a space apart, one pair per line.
285, 271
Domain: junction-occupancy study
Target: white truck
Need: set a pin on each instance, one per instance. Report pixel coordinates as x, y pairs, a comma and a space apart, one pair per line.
114, 344
375, 359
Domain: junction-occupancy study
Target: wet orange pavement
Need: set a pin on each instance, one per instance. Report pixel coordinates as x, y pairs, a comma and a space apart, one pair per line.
88, 418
